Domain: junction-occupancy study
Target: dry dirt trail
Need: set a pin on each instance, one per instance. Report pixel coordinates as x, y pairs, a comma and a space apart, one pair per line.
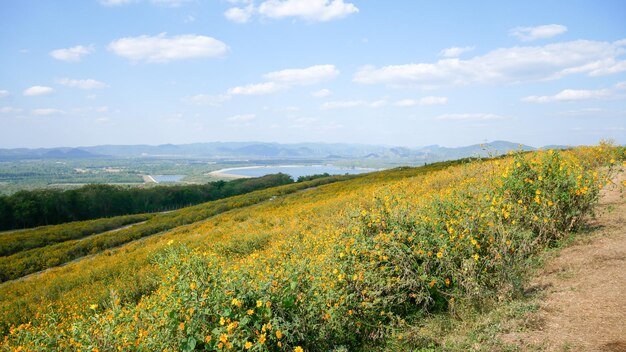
583, 303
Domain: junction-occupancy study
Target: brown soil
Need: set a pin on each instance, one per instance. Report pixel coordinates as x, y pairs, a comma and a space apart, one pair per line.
583, 298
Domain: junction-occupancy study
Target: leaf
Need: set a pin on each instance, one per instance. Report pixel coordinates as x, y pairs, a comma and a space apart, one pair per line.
189, 344
244, 321
289, 301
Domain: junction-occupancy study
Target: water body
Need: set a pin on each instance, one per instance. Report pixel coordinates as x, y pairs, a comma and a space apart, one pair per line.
294, 171
167, 178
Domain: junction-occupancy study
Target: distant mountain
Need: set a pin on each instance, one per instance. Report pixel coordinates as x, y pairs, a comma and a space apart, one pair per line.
482, 150
225, 150
68, 153
47, 153
272, 151
555, 146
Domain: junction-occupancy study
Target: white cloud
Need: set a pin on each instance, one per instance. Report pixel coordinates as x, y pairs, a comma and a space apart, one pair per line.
342, 104
10, 110
100, 108
102, 120
91, 109
255, 89
82, 83
4, 93
569, 95
303, 76
284, 79
73, 54
205, 99
422, 101
586, 112
377, 104
288, 109
433, 100
620, 85
239, 14
470, 117
527, 34
405, 102
609, 69
242, 118
37, 90
333, 125
455, 51
161, 49
47, 111
509, 65
321, 93
302, 122
310, 10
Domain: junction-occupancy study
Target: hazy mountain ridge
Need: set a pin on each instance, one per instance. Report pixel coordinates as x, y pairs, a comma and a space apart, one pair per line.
225, 150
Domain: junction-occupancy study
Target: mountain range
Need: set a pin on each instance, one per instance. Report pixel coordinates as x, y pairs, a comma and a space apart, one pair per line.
263, 150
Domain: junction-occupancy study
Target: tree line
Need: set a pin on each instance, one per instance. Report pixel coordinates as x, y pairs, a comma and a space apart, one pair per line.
26, 209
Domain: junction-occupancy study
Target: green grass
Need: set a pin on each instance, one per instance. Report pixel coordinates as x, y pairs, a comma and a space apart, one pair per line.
36, 259
12, 242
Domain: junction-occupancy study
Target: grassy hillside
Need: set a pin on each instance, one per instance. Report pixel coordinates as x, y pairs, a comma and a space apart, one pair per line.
343, 265
66, 248
12, 242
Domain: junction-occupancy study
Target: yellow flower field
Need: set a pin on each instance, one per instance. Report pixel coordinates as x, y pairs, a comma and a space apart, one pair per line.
337, 266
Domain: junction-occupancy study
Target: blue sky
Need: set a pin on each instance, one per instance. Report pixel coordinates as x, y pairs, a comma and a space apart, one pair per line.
407, 73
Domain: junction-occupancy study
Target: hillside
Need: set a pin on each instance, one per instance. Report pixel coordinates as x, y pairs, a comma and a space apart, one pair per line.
342, 265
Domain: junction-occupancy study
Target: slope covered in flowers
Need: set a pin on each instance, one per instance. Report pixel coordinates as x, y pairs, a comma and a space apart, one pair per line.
335, 267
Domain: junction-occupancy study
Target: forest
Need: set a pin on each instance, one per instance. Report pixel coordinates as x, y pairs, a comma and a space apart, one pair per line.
27, 209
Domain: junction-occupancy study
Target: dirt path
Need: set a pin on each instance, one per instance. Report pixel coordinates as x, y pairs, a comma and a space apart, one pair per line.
583, 303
